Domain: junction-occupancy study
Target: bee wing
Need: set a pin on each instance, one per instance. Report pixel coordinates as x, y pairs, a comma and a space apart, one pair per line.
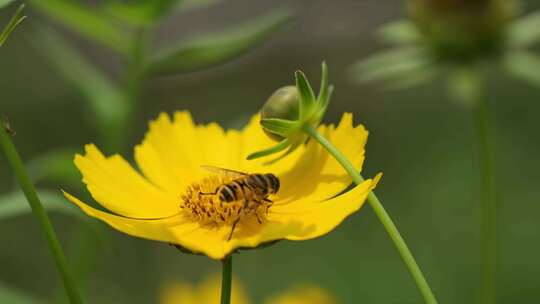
223, 171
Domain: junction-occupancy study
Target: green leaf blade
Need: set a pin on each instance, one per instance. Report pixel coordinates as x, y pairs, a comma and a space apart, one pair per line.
212, 49
14, 22
14, 204
85, 21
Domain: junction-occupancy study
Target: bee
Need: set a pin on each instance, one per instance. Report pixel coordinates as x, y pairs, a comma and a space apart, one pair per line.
251, 189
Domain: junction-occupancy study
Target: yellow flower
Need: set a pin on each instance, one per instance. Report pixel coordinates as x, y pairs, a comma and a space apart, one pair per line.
208, 292
170, 200
303, 294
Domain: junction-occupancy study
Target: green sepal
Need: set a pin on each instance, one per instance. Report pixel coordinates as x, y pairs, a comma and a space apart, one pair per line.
291, 149
307, 96
282, 145
282, 127
13, 23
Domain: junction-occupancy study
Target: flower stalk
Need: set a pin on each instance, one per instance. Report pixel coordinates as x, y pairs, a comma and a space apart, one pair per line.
37, 208
226, 280
488, 208
383, 216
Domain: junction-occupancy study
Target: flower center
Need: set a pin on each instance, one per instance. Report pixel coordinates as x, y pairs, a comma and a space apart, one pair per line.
201, 202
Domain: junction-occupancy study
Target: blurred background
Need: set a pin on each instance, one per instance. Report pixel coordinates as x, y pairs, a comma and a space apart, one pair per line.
423, 142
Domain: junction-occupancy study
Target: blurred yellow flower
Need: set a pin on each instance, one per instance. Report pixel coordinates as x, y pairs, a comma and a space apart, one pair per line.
169, 202
304, 294
208, 292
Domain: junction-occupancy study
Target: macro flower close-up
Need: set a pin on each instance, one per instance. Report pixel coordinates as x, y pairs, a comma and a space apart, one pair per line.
198, 191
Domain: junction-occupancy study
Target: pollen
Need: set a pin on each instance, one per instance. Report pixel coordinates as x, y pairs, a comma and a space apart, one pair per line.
200, 203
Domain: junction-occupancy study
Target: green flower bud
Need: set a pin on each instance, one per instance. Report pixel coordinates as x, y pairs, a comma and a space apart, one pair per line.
283, 104
289, 109
463, 30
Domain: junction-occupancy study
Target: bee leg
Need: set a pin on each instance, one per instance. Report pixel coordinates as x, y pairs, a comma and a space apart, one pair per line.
267, 207
208, 193
258, 218
232, 229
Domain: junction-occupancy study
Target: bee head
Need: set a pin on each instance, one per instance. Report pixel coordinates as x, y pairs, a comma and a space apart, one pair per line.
274, 182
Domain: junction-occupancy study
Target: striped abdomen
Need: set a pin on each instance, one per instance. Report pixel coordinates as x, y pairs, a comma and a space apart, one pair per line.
255, 187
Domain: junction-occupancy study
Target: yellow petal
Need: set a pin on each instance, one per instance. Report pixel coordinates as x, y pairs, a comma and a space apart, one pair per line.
311, 220
118, 187
306, 220
173, 151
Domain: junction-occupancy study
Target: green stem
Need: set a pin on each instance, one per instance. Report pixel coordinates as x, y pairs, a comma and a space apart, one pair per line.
37, 208
226, 280
488, 221
383, 216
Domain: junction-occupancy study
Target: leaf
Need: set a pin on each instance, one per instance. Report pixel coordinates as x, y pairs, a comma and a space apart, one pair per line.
140, 13
15, 204
525, 31
13, 23
399, 68
185, 5
399, 32
56, 165
149, 12
85, 21
15, 296
105, 100
4, 3
213, 49
523, 65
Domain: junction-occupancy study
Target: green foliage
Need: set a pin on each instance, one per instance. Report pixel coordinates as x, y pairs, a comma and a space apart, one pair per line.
465, 85
86, 21
525, 31
149, 12
14, 204
399, 32
4, 3
398, 68
56, 165
523, 65
13, 23
140, 13
211, 49
14, 296
106, 102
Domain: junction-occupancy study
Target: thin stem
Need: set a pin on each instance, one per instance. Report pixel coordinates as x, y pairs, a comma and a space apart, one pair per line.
383, 216
37, 208
226, 280
488, 221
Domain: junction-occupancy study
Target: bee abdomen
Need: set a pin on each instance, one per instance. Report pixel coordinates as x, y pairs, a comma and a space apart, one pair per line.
227, 194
